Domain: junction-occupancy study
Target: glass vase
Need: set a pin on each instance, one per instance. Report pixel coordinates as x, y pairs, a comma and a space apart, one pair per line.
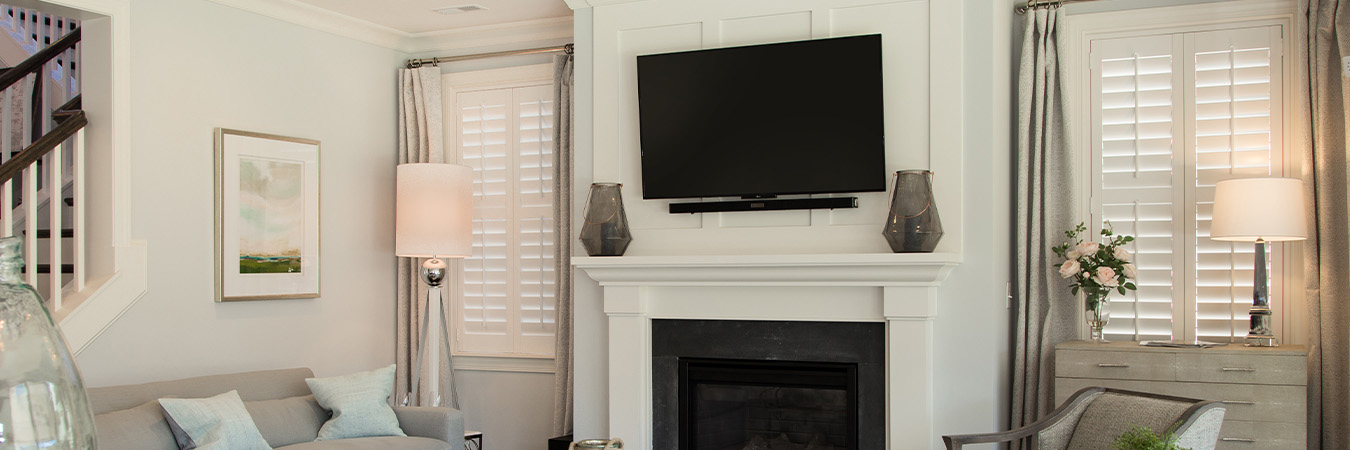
1098, 313
606, 230
912, 224
42, 400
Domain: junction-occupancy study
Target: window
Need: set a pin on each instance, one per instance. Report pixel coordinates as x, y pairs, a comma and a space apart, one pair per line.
1173, 114
503, 128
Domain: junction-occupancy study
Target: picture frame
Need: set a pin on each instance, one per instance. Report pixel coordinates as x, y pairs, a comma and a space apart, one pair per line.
267, 216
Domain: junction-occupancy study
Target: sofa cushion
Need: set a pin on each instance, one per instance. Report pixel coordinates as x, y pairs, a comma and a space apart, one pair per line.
216, 423
260, 385
359, 402
139, 428
289, 420
381, 443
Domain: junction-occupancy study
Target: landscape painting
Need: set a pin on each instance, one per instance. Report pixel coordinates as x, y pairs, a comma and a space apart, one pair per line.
267, 217
271, 216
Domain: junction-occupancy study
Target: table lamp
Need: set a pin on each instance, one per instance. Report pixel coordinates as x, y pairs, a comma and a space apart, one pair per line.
1259, 210
433, 218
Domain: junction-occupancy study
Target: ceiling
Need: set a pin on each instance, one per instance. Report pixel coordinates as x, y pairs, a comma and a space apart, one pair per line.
417, 16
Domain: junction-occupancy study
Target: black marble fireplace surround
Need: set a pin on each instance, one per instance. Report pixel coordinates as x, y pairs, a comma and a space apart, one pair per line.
857, 349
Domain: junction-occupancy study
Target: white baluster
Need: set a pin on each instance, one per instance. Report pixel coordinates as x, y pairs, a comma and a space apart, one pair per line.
30, 248
6, 142
77, 192
54, 167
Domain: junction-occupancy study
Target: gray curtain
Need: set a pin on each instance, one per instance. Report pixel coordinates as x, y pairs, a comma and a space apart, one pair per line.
1046, 313
420, 140
562, 242
1324, 41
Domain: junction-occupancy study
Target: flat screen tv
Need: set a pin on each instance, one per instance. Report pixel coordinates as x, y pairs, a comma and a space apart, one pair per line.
764, 120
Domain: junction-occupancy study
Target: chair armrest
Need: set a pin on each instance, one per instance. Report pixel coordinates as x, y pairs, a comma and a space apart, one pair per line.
954, 442
446, 424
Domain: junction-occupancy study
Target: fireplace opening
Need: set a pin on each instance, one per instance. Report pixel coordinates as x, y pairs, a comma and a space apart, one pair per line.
728, 404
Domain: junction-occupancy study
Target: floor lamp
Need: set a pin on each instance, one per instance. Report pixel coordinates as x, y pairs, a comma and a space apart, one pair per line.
434, 220
1259, 210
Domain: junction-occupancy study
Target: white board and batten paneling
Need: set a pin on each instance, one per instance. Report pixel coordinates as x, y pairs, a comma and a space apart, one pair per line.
922, 116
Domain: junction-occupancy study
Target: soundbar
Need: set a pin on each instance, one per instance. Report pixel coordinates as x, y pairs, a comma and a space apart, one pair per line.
764, 205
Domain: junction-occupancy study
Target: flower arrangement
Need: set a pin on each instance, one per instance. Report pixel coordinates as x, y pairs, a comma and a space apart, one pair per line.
1096, 268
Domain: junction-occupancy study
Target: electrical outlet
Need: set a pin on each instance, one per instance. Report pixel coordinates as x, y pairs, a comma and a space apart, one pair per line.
1007, 290
1345, 67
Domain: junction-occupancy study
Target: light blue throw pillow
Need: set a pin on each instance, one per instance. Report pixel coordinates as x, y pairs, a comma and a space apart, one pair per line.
359, 402
216, 423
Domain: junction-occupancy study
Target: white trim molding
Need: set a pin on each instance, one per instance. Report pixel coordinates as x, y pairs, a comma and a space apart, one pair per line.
310, 16
528, 31
899, 290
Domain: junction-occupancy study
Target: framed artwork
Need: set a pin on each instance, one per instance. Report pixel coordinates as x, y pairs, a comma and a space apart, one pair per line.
267, 216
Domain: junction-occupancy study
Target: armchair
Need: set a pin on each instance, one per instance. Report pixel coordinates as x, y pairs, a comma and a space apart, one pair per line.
1095, 416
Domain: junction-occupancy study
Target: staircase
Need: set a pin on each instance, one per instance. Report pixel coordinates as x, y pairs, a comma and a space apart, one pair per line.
42, 151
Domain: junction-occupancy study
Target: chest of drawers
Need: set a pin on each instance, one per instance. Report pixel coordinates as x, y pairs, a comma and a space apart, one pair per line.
1264, 388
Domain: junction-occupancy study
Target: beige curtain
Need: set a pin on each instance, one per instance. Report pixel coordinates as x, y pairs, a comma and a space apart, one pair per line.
1325, 43
562, 242
1046, 313
420, 140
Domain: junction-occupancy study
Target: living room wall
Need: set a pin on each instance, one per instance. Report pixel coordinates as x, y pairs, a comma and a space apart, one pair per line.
199, 65
972, 328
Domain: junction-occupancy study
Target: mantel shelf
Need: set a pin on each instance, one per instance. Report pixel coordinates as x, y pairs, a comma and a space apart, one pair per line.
854, 269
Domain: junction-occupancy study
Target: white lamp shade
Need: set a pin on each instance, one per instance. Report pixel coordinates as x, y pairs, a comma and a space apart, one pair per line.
1271, 209
434, 211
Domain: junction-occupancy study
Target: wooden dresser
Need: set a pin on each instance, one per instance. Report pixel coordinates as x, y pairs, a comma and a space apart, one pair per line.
1265, 388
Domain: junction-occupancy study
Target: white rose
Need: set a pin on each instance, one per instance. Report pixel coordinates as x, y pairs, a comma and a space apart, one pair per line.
1122, 254
1087, 248
1069, 268
1130, 271
1106, 277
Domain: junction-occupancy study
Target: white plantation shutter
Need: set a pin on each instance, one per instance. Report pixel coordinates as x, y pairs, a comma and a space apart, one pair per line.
1172, 115
506, 305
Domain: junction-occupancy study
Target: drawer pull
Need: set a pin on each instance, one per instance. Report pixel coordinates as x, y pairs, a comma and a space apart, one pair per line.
1113, 365
1238, 440
1238, 369
1237, 402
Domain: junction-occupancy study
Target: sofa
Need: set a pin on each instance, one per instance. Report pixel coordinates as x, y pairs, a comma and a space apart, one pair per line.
280, 403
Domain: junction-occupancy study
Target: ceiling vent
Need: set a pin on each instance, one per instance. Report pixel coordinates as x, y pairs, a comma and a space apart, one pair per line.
459, 9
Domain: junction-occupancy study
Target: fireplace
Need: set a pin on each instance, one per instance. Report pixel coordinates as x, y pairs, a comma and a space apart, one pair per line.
754, 405
752, 385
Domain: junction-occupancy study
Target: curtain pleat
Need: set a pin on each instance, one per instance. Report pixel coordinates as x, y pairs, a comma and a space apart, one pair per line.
562, 242
1324, 27
420, 140
1046, 313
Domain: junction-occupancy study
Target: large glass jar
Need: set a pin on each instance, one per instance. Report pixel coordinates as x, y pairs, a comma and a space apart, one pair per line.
912, 224
606, 230
42, 400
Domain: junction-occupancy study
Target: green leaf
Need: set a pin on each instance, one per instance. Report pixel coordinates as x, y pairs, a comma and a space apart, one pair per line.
1121, 289
1074, 291
1131, 286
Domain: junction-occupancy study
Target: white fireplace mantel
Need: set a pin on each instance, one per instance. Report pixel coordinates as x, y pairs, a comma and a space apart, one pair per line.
897, 289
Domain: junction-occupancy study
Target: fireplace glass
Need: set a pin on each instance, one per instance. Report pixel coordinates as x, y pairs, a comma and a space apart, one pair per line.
767, 405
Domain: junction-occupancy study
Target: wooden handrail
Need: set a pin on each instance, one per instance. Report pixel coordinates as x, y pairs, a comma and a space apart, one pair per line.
34, 63
42, 145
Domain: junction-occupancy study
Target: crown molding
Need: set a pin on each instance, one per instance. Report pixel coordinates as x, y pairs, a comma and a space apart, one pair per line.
317, 18
579, 4
489, 35
320, 19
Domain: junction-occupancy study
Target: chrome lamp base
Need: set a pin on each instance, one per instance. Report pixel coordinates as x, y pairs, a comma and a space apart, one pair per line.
1260, 334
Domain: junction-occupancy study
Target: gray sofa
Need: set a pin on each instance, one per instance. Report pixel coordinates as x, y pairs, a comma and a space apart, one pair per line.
130, 418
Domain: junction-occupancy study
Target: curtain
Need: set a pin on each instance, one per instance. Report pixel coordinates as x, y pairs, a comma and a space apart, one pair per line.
420, 140
1324, 42
562, 242
1046, 313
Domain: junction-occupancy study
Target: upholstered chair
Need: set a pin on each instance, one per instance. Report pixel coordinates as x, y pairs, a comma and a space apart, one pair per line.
1095, 416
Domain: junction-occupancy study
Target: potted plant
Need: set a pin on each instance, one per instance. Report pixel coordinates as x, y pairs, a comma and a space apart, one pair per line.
1141, 438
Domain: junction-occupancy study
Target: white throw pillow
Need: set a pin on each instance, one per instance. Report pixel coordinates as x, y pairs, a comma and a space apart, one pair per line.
359, 402
216, 423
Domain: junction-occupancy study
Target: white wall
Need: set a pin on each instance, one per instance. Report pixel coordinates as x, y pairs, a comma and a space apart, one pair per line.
199, 65
949, 62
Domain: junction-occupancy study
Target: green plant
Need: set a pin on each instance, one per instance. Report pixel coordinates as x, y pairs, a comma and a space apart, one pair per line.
1140, 438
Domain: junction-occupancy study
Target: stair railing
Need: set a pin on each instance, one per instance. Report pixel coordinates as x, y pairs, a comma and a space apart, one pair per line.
69, 122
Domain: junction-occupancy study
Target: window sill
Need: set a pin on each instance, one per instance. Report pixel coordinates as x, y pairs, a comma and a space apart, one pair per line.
504, 363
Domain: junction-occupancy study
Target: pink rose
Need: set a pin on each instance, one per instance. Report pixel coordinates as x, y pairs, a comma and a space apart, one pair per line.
1087, 248
1106, 276
1069, 268
1130, 271
1122, 254
1072, 253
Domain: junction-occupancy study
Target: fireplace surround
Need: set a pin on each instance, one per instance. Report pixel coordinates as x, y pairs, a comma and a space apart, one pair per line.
826, 381
898, 292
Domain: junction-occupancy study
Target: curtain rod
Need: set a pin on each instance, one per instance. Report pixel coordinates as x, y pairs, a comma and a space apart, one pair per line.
1023, 7
415, 63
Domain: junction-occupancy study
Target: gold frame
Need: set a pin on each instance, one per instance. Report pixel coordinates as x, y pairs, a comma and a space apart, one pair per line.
220, 217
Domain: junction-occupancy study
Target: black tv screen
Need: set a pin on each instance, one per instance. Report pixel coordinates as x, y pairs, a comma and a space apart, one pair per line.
758, 121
